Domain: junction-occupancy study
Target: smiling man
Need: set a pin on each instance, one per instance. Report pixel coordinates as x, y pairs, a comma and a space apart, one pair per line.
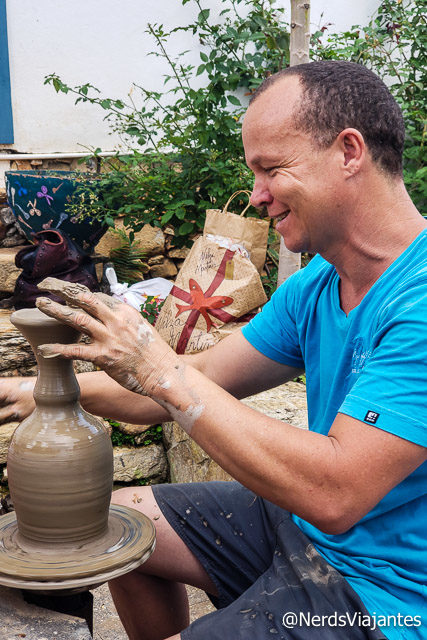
323, 535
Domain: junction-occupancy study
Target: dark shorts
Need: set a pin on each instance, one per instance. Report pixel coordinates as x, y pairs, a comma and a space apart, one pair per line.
266, 570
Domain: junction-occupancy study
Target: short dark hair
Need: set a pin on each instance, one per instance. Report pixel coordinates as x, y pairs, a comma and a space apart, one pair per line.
337, 95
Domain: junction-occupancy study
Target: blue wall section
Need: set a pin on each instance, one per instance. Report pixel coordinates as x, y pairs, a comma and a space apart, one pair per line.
6, 121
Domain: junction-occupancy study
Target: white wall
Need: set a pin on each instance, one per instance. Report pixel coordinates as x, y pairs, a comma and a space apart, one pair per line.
102, 42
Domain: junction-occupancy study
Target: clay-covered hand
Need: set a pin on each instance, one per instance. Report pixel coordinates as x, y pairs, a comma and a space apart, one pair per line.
16, 398
123, 343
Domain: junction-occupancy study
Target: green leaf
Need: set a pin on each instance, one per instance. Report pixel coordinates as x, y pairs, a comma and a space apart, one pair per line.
185, 228
204, 57
203, 15
234, 100
167, 216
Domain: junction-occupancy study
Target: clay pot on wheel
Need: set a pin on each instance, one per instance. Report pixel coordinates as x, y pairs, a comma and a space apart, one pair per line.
60, 461
64, 535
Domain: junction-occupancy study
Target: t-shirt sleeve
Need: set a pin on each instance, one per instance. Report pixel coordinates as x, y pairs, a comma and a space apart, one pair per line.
390, 393
273, 331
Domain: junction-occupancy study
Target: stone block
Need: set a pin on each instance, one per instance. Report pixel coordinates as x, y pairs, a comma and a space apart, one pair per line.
16, 355
6, 433
22, 620
167, 269
187, 461
21, 165
132, 464
150, 239
7, 217
8, 271
179, 254
133, 429
288, 403
155, 260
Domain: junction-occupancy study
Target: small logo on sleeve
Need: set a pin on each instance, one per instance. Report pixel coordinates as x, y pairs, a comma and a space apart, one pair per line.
371, 417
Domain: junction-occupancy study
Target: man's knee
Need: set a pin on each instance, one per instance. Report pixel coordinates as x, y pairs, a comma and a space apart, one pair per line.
139, 498
172, 559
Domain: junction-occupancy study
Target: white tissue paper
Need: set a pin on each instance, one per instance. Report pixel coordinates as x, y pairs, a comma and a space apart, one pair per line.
136, 294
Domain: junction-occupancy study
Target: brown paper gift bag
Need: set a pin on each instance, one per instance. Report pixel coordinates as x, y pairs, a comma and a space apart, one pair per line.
252, 233
215, 286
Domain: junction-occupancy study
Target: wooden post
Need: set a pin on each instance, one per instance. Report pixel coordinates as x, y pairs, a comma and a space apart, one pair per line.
299, 53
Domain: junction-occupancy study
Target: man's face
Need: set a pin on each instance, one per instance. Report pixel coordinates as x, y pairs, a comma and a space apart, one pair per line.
296, 181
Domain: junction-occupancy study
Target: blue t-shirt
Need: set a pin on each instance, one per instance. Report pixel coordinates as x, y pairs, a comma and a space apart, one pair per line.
371, 365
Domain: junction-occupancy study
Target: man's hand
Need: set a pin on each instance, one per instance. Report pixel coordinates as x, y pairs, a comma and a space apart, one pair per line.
122, 343
16, 398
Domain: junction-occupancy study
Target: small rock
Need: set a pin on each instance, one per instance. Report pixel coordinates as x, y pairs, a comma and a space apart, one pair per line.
6, 216
6, 432
187, 461
155, 260
165, 270
21, 165
179, 254
14, 240
144, 462
150, 239
8, 271
133, 429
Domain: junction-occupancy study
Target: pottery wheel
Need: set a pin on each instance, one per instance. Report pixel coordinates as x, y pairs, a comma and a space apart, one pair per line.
129, 541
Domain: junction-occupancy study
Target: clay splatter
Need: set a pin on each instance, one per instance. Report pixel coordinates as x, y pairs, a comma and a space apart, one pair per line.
185, 419
145, 334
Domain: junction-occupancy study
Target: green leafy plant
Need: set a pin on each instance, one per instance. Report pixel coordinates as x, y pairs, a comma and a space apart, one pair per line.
184, 143
185, 150
394, 46
128, 259
152, 435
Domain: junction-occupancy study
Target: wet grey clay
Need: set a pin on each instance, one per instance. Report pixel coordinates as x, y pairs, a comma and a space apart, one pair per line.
60, 462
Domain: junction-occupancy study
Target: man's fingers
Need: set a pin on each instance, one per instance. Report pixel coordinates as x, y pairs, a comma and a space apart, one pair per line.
77, 318
66, 290
69, 351
8, 414
77, 295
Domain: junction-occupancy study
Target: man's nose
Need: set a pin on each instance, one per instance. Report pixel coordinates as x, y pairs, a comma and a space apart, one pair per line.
260, 196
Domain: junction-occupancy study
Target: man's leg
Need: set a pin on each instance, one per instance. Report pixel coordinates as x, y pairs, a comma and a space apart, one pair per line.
151, 600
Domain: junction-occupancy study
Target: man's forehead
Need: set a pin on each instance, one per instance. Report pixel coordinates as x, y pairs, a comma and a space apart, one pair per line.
269, 120
276, 104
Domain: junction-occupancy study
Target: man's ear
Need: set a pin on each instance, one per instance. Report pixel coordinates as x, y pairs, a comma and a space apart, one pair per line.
353, 149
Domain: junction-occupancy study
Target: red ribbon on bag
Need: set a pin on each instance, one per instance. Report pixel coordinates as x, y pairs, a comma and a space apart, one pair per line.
203, 303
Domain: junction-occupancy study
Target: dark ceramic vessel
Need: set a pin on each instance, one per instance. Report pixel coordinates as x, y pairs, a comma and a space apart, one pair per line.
38, 200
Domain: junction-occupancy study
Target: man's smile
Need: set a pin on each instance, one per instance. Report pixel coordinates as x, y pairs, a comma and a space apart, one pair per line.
282, 216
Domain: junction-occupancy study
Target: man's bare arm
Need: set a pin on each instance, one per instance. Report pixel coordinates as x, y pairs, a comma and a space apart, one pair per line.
233, 364
331, 481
